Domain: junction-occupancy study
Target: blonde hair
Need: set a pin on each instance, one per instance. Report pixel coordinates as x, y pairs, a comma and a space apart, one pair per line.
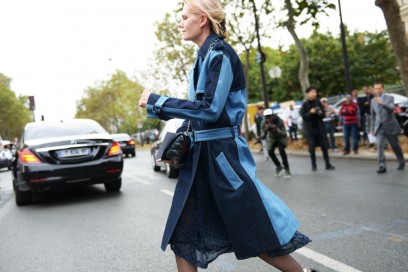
213, 10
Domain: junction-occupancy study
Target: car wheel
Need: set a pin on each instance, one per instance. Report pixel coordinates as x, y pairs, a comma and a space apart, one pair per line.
156, 168
22, 198
134, 154
171, 172
113, 186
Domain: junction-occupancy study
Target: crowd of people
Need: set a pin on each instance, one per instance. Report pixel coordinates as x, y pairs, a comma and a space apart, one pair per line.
364, 119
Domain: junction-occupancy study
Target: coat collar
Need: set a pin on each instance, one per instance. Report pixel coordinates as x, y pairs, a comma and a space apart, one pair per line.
206, 45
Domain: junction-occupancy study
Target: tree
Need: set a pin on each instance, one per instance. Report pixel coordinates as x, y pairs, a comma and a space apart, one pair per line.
14, 112
371, 55
173, 57
399, 41
113, 103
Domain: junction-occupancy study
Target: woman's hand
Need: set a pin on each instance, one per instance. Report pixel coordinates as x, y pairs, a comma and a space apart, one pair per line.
143, 99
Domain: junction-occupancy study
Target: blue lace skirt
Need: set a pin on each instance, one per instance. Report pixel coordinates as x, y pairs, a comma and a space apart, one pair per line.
200, 236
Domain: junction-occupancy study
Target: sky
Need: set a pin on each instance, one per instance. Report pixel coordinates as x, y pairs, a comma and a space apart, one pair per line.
54, 50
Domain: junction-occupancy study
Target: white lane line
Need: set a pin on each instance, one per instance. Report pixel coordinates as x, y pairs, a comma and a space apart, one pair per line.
167, 192
326, 261
137, 179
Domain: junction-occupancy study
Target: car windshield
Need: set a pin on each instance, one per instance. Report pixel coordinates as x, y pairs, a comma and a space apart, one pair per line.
61, 129
121, 137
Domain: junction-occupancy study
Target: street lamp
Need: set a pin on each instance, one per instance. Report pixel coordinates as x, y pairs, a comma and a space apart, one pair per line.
345, 55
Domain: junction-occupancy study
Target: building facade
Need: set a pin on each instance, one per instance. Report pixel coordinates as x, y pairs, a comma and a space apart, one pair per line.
404, 13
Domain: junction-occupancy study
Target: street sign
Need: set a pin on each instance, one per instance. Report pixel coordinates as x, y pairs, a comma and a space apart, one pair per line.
260, 57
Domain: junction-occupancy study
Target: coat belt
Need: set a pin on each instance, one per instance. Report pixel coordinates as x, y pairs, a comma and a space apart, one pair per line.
214, 134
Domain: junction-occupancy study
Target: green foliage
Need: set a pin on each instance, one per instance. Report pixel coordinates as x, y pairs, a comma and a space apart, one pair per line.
370, 55
173, 56
113, 103
14, 112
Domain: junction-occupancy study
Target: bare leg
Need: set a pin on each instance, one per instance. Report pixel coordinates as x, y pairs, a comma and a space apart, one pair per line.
284, 263
184, 266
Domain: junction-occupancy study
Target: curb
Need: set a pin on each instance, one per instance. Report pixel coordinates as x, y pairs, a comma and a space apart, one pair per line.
389, 156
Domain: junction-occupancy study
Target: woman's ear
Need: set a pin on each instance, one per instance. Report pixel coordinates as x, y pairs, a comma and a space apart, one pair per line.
203, 20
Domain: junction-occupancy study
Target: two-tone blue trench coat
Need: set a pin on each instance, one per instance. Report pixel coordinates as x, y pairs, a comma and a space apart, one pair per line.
254, 219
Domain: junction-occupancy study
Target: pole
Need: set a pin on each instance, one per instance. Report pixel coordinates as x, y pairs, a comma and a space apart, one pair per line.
345, 55
262, 59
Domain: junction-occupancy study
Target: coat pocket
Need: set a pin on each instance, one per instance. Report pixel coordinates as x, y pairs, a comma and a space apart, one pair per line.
229, 173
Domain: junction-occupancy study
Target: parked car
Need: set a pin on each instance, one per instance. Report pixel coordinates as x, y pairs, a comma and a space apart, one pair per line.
172, 171
127, 143
6, 154
66, 153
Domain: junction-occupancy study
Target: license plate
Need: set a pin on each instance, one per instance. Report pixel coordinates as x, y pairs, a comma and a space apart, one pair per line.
123, 144
74, 152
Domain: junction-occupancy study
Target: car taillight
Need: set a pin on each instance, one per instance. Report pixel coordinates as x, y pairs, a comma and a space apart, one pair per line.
115, 149
26, 156
131, 142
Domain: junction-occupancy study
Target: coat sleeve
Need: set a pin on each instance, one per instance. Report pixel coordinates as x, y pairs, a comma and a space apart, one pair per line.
389, 103
218, 83
372, 116
304, 112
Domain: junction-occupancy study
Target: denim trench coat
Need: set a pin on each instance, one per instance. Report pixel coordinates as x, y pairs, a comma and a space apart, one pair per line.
255, 219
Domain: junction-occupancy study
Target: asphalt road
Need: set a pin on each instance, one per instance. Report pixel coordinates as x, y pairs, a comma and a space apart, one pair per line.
357, 219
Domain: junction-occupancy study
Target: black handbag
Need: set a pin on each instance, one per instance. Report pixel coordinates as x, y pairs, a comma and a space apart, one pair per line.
175, 147
178, 149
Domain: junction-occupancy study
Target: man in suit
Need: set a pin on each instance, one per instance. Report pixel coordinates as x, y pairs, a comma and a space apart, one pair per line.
385, 126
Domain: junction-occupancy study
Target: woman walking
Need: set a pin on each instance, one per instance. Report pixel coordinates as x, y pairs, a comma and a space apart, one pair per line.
219, 205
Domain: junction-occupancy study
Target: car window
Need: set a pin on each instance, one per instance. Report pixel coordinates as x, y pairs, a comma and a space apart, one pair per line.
61, 129
171, 126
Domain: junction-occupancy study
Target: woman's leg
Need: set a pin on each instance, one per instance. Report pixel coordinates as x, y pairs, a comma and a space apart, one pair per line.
284, 263
184, 266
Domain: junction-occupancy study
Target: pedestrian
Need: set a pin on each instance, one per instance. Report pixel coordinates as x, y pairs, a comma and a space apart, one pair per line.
364, 103
274, 130
259, 117
329, 115
219, 204
354, 96
385, 126
349, 112
293, 119
313, 127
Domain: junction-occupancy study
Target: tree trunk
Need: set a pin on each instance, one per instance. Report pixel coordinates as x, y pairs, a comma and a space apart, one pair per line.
396, 29
304, 62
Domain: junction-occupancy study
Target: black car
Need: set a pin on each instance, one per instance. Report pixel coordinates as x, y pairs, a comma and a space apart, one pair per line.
60, 154
126, 142
172, 171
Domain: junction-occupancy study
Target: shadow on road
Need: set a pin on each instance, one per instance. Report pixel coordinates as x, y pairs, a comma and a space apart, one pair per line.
72, 196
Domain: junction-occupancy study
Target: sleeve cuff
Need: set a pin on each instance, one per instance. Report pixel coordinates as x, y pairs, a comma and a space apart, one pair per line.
154, 105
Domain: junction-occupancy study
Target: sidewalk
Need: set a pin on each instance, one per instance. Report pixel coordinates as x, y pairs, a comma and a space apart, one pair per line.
363, 153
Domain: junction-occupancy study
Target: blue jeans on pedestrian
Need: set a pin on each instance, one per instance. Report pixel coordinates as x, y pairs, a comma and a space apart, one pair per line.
350, 130
330, 129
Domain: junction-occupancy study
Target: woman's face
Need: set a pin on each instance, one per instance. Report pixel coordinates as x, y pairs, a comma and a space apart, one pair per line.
191, 24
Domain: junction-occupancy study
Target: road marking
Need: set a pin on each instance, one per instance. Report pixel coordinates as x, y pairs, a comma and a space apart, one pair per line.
167, 192
137, 179
326, 261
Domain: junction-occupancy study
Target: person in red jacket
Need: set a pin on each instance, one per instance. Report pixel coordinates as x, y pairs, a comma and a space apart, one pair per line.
349, 112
